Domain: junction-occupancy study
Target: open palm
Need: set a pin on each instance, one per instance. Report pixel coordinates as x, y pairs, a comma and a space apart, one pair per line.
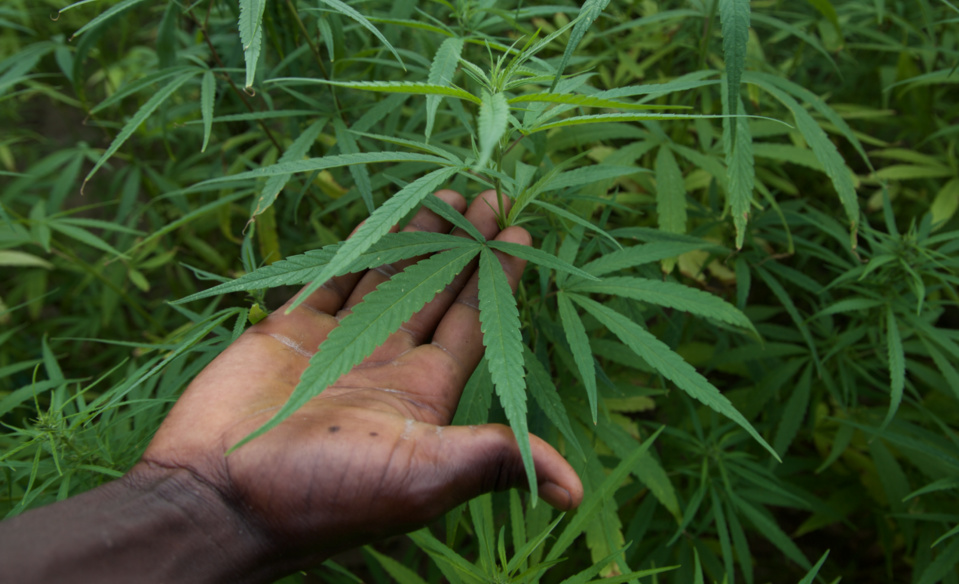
372, 455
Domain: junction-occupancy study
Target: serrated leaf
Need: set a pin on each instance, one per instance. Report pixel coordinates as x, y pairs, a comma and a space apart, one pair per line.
543, 390
580, 100
579, 345
670, 295
587, 16
670, 193
538, 256
441, 554
378, 224
740, 164
577, 220
346, 10
848, 305
735, 19
369, 324
317, 164
491, 125
410, 87
207, 97
499, 321
832, 161
444, 65
142, 114
637, 255
304, 268
897, 366
251, 35
297, 150
593, 503
610, 118
647, 469
658, 355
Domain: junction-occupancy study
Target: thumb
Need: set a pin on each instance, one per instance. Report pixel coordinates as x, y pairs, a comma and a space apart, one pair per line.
480, 459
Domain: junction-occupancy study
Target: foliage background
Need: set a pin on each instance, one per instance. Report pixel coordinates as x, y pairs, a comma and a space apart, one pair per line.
846, 268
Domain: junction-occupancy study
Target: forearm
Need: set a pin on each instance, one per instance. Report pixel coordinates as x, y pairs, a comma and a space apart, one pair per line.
150, 526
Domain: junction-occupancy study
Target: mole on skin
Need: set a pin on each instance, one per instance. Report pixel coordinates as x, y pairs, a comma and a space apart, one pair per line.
334, 429
374, 434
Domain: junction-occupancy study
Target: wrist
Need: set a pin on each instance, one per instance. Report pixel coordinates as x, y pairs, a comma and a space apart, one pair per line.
152, 525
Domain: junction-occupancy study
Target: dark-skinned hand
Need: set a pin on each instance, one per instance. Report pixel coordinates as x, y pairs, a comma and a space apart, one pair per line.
373, 455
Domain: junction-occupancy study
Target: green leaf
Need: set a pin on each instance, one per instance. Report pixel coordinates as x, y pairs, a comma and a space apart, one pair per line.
939, 485
491, 125
444, 65
251, 35
576, 219
443, 555
946, 203
316, 164
543, 390
410, 87
361, 175
942, 565
670, 295
810, 576
579, 345
734, 15
769, 530
585, 101
304, 268
346, 10
647, 469
610, 118
826, 8
103, 17
587, 16
787, 303
378, 224
84, 236
669, 364
637, 255
897, 366
207, 97
370, 323
274, 185
399, 572
499, 321
670, 193
832, 161
793, 413
740, 164
22, 259
593, 502
538, 256
142, 114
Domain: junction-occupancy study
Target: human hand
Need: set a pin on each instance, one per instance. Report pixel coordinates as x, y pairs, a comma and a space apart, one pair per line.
372, 455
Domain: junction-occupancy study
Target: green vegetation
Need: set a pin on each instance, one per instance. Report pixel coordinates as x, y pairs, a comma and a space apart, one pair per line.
753, 203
